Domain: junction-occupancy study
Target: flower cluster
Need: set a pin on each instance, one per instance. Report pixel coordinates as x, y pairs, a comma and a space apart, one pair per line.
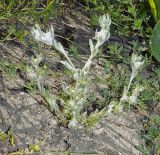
104, 33
40, 36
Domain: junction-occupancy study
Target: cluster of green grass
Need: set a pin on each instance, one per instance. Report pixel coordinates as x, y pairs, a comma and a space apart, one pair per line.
16, 15
128, 16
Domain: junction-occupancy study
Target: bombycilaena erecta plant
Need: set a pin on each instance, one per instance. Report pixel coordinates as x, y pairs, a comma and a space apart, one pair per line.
79, 91
136, 65
72, 106
35, 73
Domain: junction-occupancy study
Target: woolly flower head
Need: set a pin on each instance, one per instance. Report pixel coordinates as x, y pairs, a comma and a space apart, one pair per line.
36, 61
103, 34
31, 72
111, 107
40, 36
136, 62
104, 21
135, 93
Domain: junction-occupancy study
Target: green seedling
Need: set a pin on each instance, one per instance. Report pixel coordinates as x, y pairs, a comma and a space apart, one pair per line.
72, 50
31, 149
34, 148
7, 136
3, 136
11, 137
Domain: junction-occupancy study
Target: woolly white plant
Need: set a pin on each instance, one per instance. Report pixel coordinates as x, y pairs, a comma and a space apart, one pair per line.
33, 70
35, 73
77, 93
136, 65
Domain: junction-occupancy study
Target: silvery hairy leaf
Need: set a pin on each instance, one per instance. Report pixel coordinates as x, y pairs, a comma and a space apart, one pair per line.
68, 65
36, 61
136, 62
91, 45
104, 21
58, 46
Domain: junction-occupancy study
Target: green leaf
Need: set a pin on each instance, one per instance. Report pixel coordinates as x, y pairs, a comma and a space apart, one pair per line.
153, 7
155, 41
3, 136
34, 148
11, 138
157, 3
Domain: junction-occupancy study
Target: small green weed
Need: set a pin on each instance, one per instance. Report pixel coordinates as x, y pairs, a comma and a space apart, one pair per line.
3, 136
152, 136
8, 67
73, 50
7, 136
31, 149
